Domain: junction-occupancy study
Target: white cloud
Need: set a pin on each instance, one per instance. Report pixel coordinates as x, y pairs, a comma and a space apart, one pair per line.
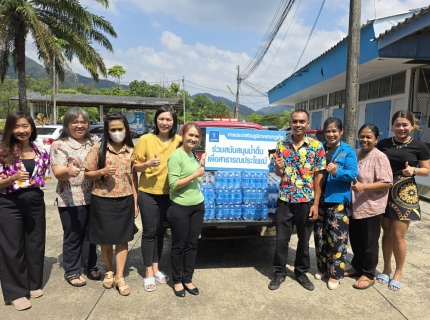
207, 65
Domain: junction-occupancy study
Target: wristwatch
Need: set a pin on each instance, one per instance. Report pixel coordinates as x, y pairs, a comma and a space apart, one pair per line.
415, 171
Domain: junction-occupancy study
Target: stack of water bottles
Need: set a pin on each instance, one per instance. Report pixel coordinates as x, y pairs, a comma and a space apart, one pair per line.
255, 196
273, 190
233, 195
228, 195
208, 190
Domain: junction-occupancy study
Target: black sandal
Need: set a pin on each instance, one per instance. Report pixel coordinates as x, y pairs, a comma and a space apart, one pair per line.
72, 277
90, 276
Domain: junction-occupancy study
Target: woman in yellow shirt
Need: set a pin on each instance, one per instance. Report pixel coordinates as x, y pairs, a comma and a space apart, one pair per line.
150, 155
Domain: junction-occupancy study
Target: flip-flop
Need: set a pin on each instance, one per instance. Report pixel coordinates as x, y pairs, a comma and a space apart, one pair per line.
159, 277
370, 282
394, 285
383, 278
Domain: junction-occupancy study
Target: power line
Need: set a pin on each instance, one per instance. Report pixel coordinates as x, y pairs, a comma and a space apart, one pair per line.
310, 35
207, 87
264, 45
288, 29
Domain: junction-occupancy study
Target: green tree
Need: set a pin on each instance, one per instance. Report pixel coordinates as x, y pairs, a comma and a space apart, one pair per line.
217, 110
81, 88
8, 89
117, 72
45, 20
255, 118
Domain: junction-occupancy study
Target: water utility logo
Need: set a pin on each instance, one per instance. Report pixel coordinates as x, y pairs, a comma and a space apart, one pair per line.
214, 136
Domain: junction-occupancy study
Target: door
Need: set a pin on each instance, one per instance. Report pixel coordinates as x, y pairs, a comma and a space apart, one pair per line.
339, 113
378, 113
316, 120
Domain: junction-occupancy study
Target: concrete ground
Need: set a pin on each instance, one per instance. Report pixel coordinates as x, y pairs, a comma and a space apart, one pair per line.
232, 277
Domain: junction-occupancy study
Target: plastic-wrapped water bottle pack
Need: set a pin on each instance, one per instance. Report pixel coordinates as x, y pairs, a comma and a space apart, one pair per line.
233, 195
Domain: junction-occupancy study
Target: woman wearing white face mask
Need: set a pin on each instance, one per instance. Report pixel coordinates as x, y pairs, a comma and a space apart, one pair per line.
114, 199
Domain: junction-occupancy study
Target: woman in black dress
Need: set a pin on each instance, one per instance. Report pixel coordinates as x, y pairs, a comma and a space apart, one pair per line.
408, 158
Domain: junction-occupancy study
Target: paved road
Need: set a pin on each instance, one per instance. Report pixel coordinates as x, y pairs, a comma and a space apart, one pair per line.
233, 278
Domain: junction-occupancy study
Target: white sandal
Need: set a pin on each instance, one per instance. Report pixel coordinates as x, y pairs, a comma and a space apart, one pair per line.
159, 277
148, 282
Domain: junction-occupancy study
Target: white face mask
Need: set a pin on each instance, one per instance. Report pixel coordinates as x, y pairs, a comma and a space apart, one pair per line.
117, 136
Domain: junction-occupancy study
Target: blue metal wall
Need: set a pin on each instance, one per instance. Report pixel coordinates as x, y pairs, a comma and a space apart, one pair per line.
327, 66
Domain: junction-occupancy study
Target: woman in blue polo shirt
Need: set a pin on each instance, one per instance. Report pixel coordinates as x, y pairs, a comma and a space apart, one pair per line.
331, 226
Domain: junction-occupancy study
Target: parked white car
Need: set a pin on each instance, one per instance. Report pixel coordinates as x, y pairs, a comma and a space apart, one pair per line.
46, 135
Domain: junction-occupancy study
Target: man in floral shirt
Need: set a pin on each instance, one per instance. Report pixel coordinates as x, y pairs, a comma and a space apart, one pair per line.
300, 162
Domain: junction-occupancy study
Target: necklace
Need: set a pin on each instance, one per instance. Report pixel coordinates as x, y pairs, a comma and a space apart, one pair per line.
403, 145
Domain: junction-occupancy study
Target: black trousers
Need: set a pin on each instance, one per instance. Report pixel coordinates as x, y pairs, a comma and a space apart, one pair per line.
364, 238
185, 223
153, 212
288, 214
22, 242
77, 251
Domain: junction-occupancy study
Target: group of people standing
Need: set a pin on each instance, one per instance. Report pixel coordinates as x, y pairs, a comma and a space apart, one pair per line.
342, 194
98, 197
328, 189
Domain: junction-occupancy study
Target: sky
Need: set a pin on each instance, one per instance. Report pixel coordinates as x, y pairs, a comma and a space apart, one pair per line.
162, 41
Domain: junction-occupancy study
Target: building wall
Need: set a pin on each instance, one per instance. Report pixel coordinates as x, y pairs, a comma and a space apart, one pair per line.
398, 102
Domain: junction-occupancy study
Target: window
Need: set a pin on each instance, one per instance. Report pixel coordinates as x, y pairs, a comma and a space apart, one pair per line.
374, 89
398, 83
338, 98
385, 87
364, 92
44, 131
331, 99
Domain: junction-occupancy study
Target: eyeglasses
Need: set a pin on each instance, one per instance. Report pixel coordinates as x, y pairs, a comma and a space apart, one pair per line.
77, 123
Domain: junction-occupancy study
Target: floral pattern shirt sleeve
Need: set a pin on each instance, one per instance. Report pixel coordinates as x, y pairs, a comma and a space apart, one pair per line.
297, 181
37, 178
76, 191
119, 184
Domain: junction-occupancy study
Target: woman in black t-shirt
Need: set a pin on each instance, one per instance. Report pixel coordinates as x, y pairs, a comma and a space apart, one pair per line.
408, 157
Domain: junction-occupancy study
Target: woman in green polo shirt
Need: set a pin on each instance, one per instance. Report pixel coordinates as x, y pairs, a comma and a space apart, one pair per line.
187, 209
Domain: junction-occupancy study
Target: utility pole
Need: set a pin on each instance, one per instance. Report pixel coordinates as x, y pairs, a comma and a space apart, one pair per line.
353, 61
236, 111
54, 89
183, 95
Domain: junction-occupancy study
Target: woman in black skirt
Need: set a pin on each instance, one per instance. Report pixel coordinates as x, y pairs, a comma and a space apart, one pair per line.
114, 199
408, 158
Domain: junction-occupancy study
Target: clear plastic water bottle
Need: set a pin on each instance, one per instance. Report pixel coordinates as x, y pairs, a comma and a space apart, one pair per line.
237, 211
264, 212
253, 211
254, 195
264, 180
230, 179
236, 179
272, 165
219, 212
247, 212
245, 180
252, 180
237, 196
230, 211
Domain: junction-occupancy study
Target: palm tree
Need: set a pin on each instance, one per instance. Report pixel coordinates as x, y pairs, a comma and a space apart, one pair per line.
46, 20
